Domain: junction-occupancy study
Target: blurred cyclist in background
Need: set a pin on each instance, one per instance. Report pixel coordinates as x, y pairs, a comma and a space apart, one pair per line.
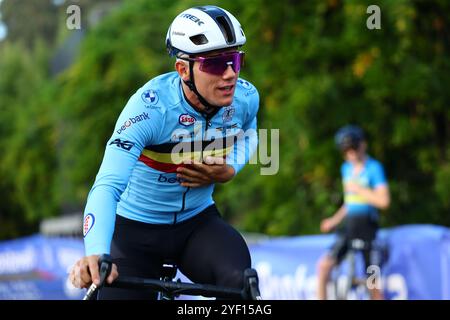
178, 135
365, 191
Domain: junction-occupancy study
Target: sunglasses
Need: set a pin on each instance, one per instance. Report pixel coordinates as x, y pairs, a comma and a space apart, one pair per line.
218, 64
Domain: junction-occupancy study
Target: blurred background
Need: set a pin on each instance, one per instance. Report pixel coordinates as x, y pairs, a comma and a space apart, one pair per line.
67, 68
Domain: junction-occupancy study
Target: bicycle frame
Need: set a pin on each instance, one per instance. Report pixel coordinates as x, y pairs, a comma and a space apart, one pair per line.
341, 292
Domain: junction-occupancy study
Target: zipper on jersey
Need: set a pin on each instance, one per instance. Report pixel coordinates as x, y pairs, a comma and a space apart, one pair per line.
183, 204
207, 117
207, 125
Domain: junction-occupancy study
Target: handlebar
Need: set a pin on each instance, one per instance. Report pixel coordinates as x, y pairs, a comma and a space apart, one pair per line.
175, 288
250, 290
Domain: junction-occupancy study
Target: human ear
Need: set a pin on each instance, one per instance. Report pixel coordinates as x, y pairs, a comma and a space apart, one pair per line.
182, 69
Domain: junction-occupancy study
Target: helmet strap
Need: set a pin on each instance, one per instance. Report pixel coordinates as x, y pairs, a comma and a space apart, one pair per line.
209, 108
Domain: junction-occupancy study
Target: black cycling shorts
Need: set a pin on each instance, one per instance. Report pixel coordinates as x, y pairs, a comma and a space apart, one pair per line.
362, 227
205, 248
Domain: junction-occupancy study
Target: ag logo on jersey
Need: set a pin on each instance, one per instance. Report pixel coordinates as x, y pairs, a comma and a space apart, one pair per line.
149, 97
88, 223
124, 144
186, 119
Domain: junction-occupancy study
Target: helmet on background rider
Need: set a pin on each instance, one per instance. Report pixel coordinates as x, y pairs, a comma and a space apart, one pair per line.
349, 137
203, 29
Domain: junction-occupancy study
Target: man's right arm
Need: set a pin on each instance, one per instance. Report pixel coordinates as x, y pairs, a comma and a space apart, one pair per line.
134, 129
330, 223
111, 181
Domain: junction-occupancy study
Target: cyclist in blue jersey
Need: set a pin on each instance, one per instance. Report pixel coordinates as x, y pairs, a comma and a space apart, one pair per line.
177, 136
365, 191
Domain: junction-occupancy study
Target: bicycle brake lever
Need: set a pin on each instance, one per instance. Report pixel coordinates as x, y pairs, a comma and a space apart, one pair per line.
105, 267
251, 285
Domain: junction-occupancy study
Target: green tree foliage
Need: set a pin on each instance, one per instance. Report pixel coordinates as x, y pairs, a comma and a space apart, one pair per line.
317, 67
29, 20
118, 57
28, 161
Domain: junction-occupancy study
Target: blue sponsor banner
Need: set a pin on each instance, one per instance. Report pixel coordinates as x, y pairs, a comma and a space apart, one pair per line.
418, 266
36, 268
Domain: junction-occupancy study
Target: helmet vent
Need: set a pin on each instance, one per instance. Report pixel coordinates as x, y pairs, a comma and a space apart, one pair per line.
199, 39
225, 27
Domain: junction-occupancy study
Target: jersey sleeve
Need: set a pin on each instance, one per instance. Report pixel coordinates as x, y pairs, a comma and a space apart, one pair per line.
378, 178
136, 127
247, 141
343, 172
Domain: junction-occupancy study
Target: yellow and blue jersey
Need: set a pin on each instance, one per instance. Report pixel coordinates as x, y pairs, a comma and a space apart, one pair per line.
371, 176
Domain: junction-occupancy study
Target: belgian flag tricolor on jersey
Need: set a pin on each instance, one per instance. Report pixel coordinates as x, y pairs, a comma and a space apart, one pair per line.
167, 157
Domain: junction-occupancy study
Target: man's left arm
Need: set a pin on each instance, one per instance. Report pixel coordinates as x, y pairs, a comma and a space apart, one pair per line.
379, 197
198, 174
218, 169
247, 140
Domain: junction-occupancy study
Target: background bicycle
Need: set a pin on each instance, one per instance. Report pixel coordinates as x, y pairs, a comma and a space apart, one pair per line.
352, 279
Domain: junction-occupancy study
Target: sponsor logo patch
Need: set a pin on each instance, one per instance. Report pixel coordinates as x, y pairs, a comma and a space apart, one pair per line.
149, 96
186, 119
168, 179
193, 18
126, 145
88, 223
228, 113
178, 33
247, 86
130, 121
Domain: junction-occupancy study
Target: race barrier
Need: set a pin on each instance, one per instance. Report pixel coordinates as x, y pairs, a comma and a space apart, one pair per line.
418, 265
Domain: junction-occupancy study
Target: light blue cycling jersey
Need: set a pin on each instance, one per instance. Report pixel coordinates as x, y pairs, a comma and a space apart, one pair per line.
371, 176
155, 132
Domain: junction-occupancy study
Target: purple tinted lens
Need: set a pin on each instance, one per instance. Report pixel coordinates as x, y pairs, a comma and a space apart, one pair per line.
218, 64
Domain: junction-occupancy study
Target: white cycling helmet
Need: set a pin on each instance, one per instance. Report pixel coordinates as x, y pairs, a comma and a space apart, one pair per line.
203, 29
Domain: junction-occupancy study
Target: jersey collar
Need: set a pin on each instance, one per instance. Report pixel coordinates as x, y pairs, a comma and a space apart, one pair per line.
191, 108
